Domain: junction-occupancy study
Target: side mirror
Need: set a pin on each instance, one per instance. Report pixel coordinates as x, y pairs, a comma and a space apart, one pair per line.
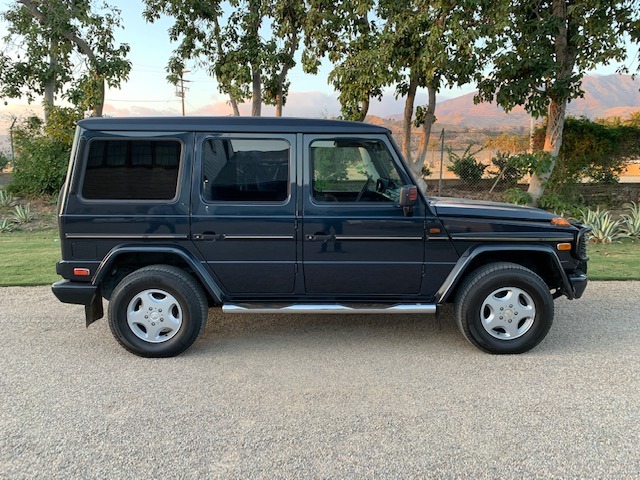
408, 198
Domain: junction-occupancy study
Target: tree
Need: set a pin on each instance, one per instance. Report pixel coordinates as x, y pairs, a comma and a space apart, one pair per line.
409, 44
46, 35
232, 49
545, 48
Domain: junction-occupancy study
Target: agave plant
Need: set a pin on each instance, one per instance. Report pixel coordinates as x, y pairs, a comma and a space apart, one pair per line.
604, 229
6, 226
22, 213
5, 199
631, 221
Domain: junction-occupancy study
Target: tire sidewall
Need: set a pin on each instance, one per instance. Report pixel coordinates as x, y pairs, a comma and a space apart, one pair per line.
127, 290
524, 280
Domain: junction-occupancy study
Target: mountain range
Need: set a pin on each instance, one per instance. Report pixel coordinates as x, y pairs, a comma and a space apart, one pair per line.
604, 96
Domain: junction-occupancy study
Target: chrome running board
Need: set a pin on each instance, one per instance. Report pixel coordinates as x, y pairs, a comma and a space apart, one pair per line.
329, 308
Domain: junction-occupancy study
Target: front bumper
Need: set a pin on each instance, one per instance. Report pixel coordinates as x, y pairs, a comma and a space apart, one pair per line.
578, 282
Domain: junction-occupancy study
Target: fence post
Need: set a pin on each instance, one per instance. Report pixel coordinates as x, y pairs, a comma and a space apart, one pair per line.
441, 163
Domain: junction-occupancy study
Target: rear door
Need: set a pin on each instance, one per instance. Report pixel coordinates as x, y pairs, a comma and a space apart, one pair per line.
356, 239
244, 212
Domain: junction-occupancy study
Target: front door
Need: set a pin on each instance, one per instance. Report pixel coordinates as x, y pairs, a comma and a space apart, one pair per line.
244, 212
356, 238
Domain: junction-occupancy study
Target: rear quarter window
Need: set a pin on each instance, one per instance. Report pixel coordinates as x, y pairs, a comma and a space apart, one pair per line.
132, 169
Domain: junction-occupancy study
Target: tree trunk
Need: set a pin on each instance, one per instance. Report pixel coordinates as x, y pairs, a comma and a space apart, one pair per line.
99, 107
364, 109
234, 106
552, 144
565, 60
256, 93
279, 102
408, 116
429, 120
50, 85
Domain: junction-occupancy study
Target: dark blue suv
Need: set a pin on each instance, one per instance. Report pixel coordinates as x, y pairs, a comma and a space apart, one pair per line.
166, 217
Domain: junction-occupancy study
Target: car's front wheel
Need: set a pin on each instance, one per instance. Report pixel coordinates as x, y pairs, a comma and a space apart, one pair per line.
504, 308
157, 311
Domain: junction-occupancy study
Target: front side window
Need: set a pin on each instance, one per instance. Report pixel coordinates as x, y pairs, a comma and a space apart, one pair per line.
245, 170
354, 170
132, 170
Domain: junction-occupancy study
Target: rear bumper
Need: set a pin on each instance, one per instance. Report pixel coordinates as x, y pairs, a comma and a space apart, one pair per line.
81, 294
68, 291
578, 282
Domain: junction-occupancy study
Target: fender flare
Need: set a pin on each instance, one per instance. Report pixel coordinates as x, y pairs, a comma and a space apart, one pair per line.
210, 285
462, 267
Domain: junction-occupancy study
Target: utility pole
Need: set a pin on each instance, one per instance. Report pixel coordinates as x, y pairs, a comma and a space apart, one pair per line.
181, 89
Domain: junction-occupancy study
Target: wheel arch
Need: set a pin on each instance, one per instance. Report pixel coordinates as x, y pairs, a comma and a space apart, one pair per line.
540, 259
123, 260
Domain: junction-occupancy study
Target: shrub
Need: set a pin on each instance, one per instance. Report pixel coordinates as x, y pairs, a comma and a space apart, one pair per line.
22, 214
5, 199
6, 226
509, 169
517, 196
465, 166
42, 153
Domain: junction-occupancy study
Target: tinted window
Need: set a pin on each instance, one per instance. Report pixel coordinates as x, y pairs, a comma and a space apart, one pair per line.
245, 170
354, 170
132, 170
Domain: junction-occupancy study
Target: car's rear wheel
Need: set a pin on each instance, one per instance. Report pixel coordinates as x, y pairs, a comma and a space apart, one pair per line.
504, 308
157, 311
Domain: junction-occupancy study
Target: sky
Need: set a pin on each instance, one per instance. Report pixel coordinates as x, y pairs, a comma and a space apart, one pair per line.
147, 91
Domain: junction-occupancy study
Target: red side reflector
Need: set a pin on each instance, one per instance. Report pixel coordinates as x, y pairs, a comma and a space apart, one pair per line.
81, 272
413, 194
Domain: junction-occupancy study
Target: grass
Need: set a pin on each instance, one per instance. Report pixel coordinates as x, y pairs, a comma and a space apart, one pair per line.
615, 261
29, 258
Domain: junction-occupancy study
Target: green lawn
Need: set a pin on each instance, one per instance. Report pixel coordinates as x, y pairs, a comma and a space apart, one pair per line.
616, 261
29, 258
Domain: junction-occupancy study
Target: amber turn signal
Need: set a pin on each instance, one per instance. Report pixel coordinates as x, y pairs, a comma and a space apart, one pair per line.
564, 247
563, 222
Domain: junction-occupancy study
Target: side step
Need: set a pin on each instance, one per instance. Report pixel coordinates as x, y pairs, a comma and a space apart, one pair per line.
329, 308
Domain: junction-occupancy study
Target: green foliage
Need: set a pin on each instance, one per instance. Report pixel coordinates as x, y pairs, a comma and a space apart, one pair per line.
23, 213
603, 228
631, 220
426, 172
594, 151
465, 166
42, 153
232, 46
508, 168
46, 39
507, 143
5, 199
6, 226
556, 203
4, 160
516, 196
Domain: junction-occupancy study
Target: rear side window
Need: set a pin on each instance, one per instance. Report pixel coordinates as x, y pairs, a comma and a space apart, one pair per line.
245, 170
132, 170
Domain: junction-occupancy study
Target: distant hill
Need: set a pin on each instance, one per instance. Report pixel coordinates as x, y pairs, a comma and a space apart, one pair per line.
605, 96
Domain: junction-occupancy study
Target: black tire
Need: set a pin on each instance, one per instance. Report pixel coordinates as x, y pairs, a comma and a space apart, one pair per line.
483, 321
153, 287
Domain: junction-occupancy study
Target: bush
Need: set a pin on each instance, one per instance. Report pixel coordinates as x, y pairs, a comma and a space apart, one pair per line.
465, 166
42, 153
509, 169
4, 160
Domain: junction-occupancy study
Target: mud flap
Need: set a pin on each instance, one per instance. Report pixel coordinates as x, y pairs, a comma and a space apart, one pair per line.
94, 311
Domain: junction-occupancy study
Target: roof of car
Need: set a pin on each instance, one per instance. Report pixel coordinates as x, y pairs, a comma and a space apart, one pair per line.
229, 124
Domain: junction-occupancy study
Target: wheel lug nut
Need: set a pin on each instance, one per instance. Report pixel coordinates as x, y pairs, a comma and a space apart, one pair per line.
146, 316
162, 319
153, 323
501, 308
510, 306
516, 313
500, 318
160, 310
150, 308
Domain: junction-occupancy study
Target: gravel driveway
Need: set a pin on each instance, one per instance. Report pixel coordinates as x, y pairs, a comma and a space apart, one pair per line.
321, 397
